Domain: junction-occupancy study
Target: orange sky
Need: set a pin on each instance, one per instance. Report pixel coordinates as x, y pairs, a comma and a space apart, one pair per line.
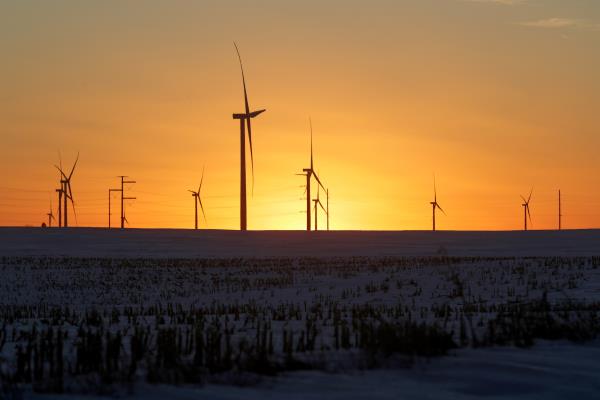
493, 96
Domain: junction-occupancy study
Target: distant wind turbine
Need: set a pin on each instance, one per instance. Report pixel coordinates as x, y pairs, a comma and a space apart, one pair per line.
198, 200
317, 202
245, 119
50, 216
309, 173
526, 211
435, 204
67, 191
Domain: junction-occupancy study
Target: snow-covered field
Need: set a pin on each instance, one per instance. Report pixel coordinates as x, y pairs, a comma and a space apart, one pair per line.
215, 314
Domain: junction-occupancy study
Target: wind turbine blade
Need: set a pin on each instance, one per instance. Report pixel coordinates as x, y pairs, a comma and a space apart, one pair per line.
320, 204
524, 201
60, 159
528, 213
201, 180
72, 202
74, 165
251, 154
243, 79
202, 208
318, 180
61, 171
311, 143
530, 193
191, 191
440, 208
434, 190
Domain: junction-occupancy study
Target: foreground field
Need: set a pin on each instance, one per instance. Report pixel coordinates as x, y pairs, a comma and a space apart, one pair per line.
116, 325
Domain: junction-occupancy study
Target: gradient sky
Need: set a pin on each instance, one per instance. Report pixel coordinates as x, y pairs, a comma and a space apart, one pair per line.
493, 96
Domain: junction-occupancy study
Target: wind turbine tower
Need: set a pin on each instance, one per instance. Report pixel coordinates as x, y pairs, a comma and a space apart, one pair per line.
60, 192
559, 212
327, 192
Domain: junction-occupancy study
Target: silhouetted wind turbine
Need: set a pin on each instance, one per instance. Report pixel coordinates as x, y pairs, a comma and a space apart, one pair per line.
310, 172
435, 204
526, 212
50, 216
198, 200
245, 119
67, 191
317, 201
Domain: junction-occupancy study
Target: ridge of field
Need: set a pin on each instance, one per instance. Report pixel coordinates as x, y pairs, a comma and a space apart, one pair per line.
180, 243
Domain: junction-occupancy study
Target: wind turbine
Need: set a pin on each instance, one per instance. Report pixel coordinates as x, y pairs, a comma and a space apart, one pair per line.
310, 172
317, 201
67, 191
50, 216
526, 209
434, 203
245, 119
197, 200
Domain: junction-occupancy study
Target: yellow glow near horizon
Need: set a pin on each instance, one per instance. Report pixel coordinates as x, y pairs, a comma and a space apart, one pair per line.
472, 92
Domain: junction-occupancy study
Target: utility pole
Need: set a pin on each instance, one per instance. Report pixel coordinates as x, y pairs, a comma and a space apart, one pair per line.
123, 198
109, 198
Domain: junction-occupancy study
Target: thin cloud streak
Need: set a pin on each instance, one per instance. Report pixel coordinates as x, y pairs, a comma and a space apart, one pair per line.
499, 2
560, 23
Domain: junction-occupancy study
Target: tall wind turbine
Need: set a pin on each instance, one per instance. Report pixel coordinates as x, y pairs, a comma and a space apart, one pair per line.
50, 216
526, 212
435, 204
245, 119
198, 200
310, 172
67, 191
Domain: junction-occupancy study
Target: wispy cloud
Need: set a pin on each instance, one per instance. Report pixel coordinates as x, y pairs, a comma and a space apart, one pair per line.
500, 2
561, 23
